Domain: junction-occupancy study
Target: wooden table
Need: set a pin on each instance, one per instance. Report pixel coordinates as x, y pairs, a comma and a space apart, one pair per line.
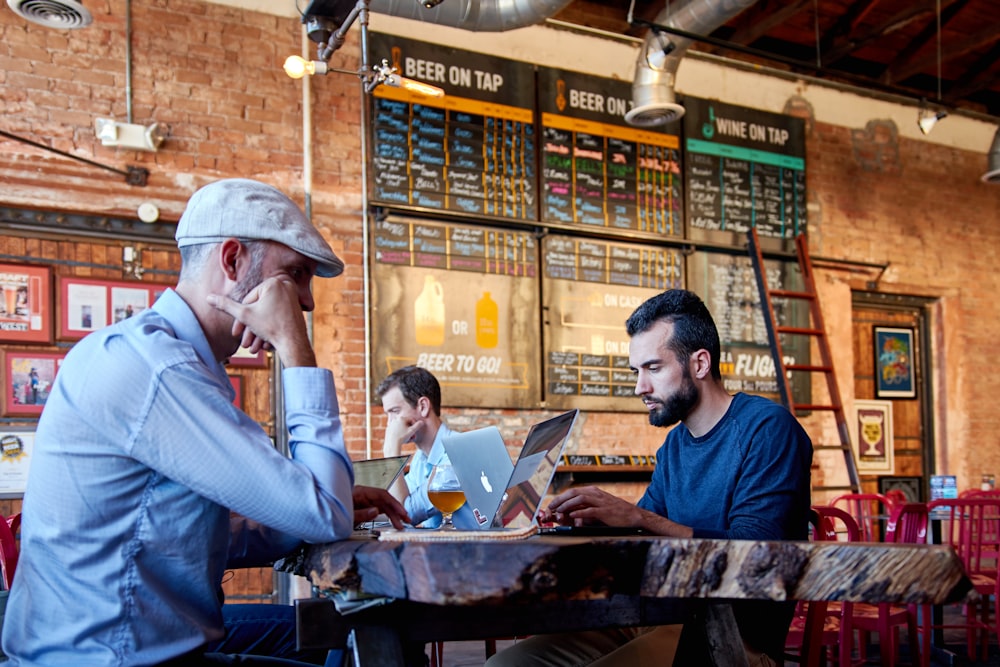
446, 591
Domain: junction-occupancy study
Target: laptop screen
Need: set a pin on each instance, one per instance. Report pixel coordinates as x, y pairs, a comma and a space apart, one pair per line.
380, 473
534, 471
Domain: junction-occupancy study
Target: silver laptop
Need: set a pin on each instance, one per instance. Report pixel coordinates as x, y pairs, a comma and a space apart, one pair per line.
508, 501
380, 473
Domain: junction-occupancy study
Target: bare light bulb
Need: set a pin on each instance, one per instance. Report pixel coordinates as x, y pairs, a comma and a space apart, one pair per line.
297, 67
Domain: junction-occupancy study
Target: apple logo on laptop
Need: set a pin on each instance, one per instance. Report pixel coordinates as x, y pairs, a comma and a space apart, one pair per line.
486, 482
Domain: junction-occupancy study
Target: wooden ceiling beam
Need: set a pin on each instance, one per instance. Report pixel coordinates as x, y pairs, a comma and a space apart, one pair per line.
954, 49
926, 36
763, 16
846, 44
981, 75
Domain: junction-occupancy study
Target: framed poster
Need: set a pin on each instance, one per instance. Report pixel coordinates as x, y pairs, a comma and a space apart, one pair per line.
873, 436
910, 487
28, 378
894, 377
16, 446
87, 305
26, 307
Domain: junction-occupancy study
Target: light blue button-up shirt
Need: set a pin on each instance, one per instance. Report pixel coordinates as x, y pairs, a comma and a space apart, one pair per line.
138, 459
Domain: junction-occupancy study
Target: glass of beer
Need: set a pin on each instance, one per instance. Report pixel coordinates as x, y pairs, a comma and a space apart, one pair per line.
445, 492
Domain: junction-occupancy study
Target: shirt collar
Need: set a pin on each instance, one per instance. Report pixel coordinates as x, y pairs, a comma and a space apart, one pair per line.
175, 310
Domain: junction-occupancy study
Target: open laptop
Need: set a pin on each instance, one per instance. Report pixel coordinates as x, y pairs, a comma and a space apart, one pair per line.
503, 495
380, 473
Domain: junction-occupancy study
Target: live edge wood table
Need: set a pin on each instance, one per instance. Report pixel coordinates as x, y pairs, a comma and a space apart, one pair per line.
463, 590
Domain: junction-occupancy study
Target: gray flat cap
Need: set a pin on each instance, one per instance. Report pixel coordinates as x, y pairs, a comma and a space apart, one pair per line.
245, 209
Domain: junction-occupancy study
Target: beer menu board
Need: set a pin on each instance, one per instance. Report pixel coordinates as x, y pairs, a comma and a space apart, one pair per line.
590, 288
597, 170
743, 168
462, 302
472, 151
729, 288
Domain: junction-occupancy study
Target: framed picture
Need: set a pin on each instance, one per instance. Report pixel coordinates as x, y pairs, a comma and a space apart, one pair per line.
894, 377
26, 306
873, 436
237, 382
247, 360
16, 447
911, 487
87, 305
28, 378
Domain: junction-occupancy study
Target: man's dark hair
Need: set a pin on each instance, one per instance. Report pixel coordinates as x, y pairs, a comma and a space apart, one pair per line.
413, 382
694, 328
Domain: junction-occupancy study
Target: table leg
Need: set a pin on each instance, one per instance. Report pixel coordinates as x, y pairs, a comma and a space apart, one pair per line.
711, 637
375, 646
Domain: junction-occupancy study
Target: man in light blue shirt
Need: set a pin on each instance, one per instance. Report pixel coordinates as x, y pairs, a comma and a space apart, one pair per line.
411, 397
140, 455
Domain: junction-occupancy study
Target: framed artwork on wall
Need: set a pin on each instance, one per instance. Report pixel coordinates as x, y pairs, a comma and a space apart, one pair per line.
26, 305
28, 378
873, 436
17, 444
87, 305
911, 487
894, 374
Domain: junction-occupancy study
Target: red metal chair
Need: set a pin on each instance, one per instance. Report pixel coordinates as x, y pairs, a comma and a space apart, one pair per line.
868, 509
972, 527
896, 497
819, 624
8, 548
907, 524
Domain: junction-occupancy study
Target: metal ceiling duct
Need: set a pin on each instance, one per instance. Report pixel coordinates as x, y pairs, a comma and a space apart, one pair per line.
653, 101
992, 174
63, 14
474, 15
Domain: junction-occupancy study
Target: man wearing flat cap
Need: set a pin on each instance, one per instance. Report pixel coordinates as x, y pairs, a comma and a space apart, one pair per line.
140, 457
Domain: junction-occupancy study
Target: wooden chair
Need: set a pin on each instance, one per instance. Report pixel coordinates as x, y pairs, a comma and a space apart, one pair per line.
819, 624
972, 527
868, 509
907, 524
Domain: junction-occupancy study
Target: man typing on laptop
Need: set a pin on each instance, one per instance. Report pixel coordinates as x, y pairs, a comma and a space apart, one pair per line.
736, 467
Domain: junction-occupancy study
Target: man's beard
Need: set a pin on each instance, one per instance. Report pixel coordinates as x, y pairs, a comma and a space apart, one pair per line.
246, 284
678, 406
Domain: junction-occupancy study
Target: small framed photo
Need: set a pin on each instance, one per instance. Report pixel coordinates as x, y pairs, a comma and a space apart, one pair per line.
26, 305
244, 358
894, 363
237, 382
17, 445
910, 487
28, 378
88, 305
873, 447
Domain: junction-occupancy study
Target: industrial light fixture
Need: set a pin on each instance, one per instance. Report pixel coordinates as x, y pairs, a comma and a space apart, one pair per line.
324, 31
992, 174
129, 135
927, 119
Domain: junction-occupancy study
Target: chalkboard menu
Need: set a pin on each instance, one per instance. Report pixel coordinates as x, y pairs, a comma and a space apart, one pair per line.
590, 288
596, 169
462, 302
472, 151
743, 168
729, 288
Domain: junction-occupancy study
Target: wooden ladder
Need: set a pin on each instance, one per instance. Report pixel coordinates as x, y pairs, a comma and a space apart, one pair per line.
817, 331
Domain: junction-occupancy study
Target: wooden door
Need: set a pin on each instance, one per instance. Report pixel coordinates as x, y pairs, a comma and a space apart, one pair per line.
912, 435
